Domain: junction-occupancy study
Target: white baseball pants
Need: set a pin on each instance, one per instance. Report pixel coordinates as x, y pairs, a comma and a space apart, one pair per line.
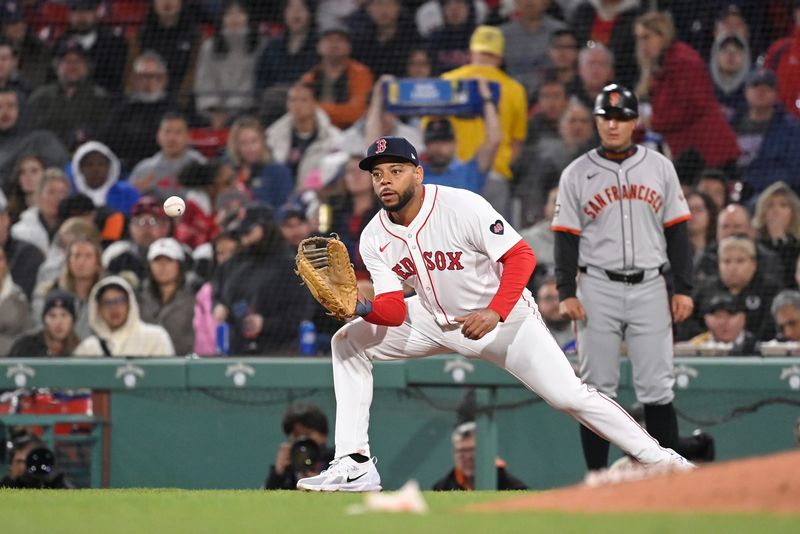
522, 345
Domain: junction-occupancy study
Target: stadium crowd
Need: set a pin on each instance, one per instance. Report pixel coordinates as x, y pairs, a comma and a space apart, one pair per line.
257, 113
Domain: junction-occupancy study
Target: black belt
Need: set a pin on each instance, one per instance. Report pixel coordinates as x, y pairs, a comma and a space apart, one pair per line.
635, 277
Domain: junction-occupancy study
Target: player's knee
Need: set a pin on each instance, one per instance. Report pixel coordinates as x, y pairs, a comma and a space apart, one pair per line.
339, 341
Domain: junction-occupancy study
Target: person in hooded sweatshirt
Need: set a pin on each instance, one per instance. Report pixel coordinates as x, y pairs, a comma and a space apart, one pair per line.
117, 326
95, 172
729, 66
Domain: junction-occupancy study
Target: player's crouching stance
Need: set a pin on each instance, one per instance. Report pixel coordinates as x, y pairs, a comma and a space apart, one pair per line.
469, 269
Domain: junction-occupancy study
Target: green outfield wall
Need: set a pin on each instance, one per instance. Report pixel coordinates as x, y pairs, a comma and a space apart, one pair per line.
215, 423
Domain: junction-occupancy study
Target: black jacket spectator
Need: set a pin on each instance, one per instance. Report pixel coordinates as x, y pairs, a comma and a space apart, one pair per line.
73, 119
388, 56
29, 346
505, 481
17, 139
448, 46
73, 108
131, 129
621, 40
279, 64
108, 53
756, 298
35, 57
770, 264
24, 260
178, 44
247, 284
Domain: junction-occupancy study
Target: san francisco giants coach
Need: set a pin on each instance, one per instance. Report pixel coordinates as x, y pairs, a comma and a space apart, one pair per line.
620, 224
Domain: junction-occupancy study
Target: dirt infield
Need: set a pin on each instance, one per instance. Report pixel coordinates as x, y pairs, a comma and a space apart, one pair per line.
764, 484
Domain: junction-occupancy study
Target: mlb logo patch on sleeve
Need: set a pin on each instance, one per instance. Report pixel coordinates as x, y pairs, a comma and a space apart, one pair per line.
497, 227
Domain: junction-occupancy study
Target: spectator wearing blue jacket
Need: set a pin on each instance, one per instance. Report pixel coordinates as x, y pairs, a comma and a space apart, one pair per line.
95, 172
768, 137
443, 168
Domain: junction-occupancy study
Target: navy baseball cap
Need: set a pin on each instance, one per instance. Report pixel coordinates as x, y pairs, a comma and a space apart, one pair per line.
70, 46
439, 130
389, 147
724, 301
762, 77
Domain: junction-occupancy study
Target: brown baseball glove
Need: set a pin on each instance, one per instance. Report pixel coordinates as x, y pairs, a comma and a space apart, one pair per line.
324, 266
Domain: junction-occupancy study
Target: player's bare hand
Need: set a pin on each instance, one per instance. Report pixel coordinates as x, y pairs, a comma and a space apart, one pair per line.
282, 460
682, 307
377, 89
478, 323
572, 309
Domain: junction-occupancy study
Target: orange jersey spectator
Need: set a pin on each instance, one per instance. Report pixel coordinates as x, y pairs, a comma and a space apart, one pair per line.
342, 85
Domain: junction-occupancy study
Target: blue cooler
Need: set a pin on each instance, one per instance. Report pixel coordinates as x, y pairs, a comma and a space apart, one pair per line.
434, 96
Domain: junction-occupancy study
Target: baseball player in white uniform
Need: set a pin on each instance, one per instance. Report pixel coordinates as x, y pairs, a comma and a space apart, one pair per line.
620, 219
469, 268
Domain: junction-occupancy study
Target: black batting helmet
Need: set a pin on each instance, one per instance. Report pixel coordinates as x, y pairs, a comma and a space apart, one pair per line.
616, 101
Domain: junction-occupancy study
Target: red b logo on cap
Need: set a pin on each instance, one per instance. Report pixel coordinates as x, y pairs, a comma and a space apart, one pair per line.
380, 146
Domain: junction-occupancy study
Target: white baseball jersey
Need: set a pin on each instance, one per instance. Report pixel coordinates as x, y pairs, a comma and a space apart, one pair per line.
620, 210
448, 253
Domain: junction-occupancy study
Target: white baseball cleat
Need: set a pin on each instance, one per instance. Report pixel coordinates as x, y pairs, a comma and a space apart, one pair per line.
678, 462
344, 474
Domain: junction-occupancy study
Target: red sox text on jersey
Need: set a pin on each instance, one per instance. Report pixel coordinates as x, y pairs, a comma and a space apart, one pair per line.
434, 261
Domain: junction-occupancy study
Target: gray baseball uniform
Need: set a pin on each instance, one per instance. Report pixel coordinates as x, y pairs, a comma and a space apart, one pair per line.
620, 211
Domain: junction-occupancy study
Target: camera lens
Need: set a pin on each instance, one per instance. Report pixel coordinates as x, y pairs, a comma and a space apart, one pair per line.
40, 462
304, 455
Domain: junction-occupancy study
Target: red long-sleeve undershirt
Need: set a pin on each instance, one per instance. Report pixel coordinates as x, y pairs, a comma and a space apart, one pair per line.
518, 265
389, 309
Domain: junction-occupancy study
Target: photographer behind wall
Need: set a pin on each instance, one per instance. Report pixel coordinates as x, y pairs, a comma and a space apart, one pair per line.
305, 452
32, 465
462, 476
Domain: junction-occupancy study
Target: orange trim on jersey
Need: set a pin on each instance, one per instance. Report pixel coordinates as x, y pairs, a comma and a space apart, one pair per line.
678, 220
567, 229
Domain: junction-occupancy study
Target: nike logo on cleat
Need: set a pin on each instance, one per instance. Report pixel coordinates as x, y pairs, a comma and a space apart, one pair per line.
354, 479
386, 245
590, 176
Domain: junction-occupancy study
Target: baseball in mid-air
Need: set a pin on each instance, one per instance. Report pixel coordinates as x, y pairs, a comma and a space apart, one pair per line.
174, 206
